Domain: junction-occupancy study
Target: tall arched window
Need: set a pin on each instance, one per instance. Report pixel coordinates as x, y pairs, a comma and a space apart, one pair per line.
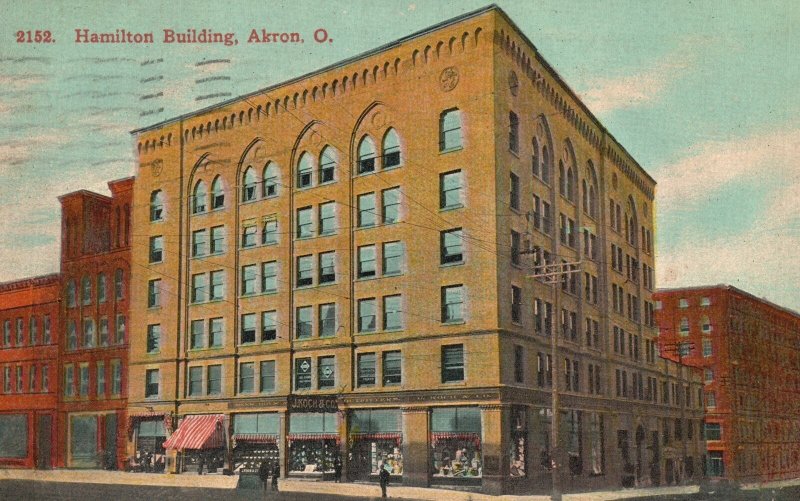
270, 180
631, 223
562, 179
391, 149
366, 155
199, 198
585, 196
592, 196
535, 158
217, 194
327, 165
545, 164
101, 288
86, 290
119, 284
571, 184
157, 206
249, 185
450, 136
71, 294
305, 169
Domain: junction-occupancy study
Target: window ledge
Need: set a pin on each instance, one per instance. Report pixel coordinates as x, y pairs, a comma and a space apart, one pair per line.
455, 322
451, 150
366, 279
450, 265
451, 208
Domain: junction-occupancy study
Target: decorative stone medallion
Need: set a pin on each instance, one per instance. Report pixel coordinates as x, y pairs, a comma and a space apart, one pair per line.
449, 78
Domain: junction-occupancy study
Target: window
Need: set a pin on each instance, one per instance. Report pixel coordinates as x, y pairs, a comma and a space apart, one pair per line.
270, 188
199, 243
304, 321
195, 381
157, 206
120, 329
197, 337
391, 149
215, 331
305, 271
33, 331
269, 276
366, 261
452, 363
217, 285
711, 399
86, 290
684, 327
366, 315
103, 331
450, 130
32, 379
705, 324
513, 132
248, 329
326, 372
366, 156
67, 380
249, 276
305, 223
715, 466
327, 218
705, 301
327, 165
451, 190
327, 267
7, 333
249, 233
707, 351
366, 210
392, 258
453, 303
515, 248
327, 320
247, 377
153, 338
269, 326
451, 246
267, 376
151, 383
101, 288
20, 383
391, 205
516, 304
708, 375
366, 369
392, 368
46, 328
214, 380
119, 286
683, 303
20, 334
514, 195
392, 312
217, 194
249, 185
269, 235
72, 335
302, 374
116, 377
519, 364
199, 198
199, 288
713, 431
45, 379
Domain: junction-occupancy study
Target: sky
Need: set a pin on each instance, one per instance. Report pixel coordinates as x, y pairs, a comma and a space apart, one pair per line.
704, 94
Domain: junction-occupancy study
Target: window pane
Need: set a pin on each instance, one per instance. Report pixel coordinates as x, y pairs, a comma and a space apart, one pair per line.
327, 320
452, 363
366, 315
450, 190
392, 369
267, 376
366, 210
269, 328
391, 205
304, 314
392, 258
366, 261
302, 374
392, 312
366, 369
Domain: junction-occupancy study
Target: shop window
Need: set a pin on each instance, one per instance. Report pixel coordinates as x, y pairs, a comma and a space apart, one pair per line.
83, 440
519, 442
376, 437
456, 443
715, 465
313, 443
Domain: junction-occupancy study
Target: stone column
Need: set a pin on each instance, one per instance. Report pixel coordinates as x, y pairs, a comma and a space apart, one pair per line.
342, 428
416, 446
283, 443
495, 439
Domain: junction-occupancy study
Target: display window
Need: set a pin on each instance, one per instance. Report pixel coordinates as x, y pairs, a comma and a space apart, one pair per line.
456, 443
313, 442
254, 441
518, 459
375, 442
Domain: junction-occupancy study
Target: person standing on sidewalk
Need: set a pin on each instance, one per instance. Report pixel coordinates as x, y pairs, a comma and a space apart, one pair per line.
383, 476
276, 472
263, 474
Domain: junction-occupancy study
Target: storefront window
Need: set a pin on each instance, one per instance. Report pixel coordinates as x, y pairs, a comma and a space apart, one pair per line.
375, 439
13, 436
313, 442
83, 440
571, 430
456, 442
519, 443
596, 439
255, 441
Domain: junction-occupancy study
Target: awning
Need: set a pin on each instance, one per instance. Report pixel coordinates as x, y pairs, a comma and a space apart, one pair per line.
255, 438
467, 437
313, 436
197, 433
396, 436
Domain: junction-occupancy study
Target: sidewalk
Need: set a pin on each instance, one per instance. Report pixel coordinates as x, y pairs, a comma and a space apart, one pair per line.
123, 478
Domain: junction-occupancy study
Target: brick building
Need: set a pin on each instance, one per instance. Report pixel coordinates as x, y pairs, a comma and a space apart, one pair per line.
95, 273
29, 337
336, 268
749, 353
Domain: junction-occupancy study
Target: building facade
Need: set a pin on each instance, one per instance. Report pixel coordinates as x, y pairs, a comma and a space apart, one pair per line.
29, 337
95, 273
749, 352
337, 269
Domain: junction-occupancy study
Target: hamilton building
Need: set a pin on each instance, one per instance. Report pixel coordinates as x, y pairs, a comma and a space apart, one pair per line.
398, 261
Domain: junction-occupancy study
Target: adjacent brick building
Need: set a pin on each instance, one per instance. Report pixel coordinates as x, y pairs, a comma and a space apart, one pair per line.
337, 268
29, 337
749, 352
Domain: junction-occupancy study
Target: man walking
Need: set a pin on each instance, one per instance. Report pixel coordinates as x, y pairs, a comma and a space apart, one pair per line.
276, 472
383, 475
263, 474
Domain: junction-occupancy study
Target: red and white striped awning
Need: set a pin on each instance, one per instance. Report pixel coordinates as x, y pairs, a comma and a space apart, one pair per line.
395, 436
198, 433
313, 436
256, 438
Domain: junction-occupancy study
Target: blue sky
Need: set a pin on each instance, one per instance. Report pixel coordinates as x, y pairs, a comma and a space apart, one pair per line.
704, 95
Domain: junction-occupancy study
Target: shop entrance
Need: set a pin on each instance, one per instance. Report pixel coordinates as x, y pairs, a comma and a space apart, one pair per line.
44, 434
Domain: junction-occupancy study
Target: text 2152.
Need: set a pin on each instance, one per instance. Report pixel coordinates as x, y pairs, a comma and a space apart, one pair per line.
38, 36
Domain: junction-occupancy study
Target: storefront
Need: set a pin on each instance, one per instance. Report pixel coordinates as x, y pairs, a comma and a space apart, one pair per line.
13, 439
456, 445
375, 439
148, 432
199, 441
518, 453
83, 441
313, 443
255, 440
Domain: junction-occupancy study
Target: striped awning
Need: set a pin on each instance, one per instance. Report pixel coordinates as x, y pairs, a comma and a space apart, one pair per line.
198, 433
313, 436
255, 438
395, 436
437, 437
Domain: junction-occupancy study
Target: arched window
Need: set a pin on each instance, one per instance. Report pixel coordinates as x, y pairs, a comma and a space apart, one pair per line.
366, 155
249, 185
72, 336
391, 149
199, 198
562, 179
86, 290
327, 165
119, 285
101, 288
217, 194
631, 224
71, 294
156, 206
305, 168
705, 324
535, 158
592, 175
585, 196
571, 184
450, 136
270, 180
545, 164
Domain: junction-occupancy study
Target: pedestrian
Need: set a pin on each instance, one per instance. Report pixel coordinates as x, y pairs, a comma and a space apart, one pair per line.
200, 463
337, 470
276, 472
383, 476
263, 474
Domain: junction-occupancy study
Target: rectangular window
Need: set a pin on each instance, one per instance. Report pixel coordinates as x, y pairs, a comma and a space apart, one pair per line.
707, 351
453, 303
713, 431
33, 331
711, 399
514, 195
267, 375
516, 304
450, 130
120, 329
305, 222
452, 363
392, 368
327, 320
327, 218
305, 271
195, 381
269, 326
214, 380
156, 249
327, 267
326, 372
153, 338
199, 243
215, 331
69, 380
451, 190
366, 315
217, 239
119, 285
515, 248
304, 321
367, 215
392, 258
269, 276
45, 378
103, 331
366, 261
247, 377
302, 374
513, 132
217, 285
392, 312
519, 364
269, 233
366, 369
199, 288
154, 293
83, 389
249, 235
249, 276
451, 242
32, 379
248, 333
116, 377
547, 218
197, 340
390, 200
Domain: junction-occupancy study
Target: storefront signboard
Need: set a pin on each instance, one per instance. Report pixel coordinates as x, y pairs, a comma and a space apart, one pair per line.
313, 403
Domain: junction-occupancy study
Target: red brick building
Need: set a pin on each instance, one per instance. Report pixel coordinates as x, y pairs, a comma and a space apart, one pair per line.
95, 269
749, 351
29, 337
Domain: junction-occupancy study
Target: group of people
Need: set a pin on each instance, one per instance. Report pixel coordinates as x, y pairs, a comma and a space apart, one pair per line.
146, 462
264, 472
